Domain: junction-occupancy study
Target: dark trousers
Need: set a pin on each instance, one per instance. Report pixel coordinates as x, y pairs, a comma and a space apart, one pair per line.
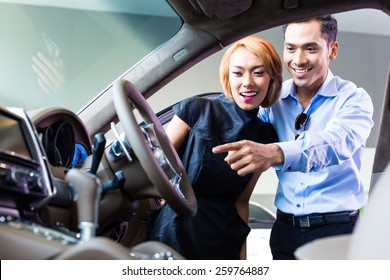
286, 238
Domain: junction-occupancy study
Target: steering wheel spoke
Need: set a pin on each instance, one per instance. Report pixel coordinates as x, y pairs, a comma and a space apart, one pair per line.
173, 175
155, 152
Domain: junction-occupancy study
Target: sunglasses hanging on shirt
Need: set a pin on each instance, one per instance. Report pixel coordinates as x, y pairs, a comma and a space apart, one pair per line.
300, 122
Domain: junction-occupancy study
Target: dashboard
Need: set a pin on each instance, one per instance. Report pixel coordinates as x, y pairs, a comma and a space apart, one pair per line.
28, 188
64, 138
25, 180
51, 209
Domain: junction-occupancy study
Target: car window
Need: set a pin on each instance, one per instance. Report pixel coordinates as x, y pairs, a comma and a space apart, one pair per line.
63, 53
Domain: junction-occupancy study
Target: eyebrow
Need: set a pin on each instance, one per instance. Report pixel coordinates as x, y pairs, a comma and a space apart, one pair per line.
305, 45
257, 66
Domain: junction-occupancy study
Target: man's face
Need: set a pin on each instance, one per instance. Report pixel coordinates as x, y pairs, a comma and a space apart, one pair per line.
307, 55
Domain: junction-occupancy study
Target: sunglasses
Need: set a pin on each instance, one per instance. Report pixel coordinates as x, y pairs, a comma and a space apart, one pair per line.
300, 122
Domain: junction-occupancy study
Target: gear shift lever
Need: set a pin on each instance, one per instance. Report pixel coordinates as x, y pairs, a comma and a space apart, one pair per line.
88, 189
99, 144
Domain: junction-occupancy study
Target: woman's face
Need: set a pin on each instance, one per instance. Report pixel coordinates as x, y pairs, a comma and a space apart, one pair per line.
248, 79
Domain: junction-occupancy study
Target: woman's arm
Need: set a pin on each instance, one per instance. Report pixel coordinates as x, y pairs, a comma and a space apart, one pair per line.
177, 131
242, 205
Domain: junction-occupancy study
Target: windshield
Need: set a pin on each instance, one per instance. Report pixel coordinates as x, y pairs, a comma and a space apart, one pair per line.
65, 52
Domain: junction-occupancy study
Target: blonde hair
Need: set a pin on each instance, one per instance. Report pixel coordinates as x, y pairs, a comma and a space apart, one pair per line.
272, 63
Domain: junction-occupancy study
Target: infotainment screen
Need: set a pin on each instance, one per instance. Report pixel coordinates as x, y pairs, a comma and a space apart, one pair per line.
12, 138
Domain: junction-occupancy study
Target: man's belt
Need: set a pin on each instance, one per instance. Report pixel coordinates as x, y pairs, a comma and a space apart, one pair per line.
313, 220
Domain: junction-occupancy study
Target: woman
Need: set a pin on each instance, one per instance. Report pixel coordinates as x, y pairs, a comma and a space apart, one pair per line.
251, 75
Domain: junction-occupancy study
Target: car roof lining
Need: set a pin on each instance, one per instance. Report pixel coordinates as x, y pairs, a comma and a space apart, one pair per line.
258, 15
222, 9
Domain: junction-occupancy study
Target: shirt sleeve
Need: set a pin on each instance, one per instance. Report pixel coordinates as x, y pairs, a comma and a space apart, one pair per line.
344, 134
188, 110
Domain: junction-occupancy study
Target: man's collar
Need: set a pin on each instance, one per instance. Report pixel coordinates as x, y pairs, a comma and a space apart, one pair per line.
328, 87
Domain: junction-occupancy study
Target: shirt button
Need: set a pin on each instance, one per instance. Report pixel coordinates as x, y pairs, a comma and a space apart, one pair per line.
298, 205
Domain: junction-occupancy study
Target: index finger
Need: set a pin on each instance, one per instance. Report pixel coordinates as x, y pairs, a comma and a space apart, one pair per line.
226, 147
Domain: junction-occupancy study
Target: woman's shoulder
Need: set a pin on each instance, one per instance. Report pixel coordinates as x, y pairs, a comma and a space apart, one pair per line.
198, 103
204, 99
195, 108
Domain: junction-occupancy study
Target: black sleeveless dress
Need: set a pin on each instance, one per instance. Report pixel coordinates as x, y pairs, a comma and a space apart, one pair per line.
216, 231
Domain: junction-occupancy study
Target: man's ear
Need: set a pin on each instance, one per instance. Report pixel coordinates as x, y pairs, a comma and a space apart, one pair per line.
334, 49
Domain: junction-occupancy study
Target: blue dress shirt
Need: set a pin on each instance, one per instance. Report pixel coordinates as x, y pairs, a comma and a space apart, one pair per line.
321, 171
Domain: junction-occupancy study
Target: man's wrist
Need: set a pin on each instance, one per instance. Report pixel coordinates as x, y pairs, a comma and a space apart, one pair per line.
277, 155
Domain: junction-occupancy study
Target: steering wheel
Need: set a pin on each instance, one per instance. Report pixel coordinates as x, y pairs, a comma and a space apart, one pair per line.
155, 152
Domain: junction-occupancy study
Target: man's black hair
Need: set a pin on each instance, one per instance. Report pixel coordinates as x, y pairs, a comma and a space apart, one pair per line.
328, 26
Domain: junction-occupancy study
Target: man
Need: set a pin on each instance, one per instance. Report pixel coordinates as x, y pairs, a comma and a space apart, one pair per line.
323, 123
